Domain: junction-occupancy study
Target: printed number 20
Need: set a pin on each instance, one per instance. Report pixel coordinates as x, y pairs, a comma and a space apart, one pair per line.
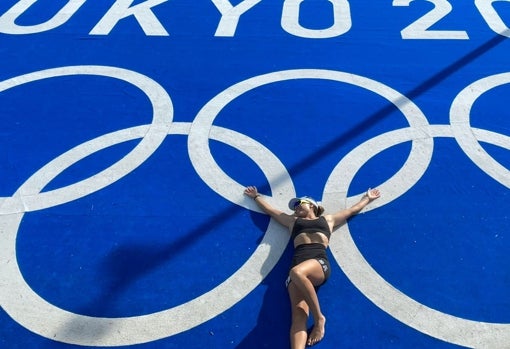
420, 28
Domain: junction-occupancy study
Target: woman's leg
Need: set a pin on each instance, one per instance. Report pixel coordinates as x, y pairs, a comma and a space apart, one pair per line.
305, 276
300, 311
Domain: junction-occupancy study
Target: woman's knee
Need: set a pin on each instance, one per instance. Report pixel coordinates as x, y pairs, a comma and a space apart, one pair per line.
311, 271
297, 272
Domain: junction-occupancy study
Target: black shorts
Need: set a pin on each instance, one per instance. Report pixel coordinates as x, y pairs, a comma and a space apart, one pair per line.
311, 251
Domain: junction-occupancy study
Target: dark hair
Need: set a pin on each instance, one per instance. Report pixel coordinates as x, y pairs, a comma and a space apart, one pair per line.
318, 210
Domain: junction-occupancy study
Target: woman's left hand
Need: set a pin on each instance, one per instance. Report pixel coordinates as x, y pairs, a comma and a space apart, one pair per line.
373, 194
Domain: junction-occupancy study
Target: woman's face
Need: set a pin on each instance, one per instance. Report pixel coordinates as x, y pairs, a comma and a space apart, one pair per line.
303, 209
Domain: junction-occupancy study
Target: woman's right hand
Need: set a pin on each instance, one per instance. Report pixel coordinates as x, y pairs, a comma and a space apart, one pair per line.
251, 191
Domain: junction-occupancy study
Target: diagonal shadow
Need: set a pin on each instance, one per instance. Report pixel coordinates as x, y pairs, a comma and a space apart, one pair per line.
147, 258
375, 118
129, 262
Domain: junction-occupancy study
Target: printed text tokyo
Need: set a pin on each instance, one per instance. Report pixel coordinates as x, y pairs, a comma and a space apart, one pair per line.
231, 17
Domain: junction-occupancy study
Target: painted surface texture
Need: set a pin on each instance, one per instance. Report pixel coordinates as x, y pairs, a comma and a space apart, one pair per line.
129, 130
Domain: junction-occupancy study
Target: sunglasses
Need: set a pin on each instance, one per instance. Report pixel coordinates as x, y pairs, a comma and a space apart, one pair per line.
301, 202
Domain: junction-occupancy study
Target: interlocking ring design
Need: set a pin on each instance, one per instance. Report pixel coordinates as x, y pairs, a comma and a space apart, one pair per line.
26, 307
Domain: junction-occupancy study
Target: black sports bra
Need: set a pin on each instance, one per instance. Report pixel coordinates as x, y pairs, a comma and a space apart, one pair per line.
310, 226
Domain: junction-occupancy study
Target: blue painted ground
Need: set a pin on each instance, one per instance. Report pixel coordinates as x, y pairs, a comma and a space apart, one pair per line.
159, 236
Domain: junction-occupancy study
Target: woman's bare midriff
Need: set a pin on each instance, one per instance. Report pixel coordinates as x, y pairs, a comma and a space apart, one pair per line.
311, 238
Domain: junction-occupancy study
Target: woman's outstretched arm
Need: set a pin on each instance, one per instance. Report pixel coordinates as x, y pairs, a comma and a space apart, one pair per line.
341, 216
281, 217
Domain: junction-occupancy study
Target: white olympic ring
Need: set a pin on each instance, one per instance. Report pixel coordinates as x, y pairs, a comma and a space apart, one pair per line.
25, 306
220, 182
449, 328
459, 119
29, 197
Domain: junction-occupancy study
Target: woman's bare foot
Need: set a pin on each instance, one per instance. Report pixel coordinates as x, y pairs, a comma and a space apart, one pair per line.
318, 332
